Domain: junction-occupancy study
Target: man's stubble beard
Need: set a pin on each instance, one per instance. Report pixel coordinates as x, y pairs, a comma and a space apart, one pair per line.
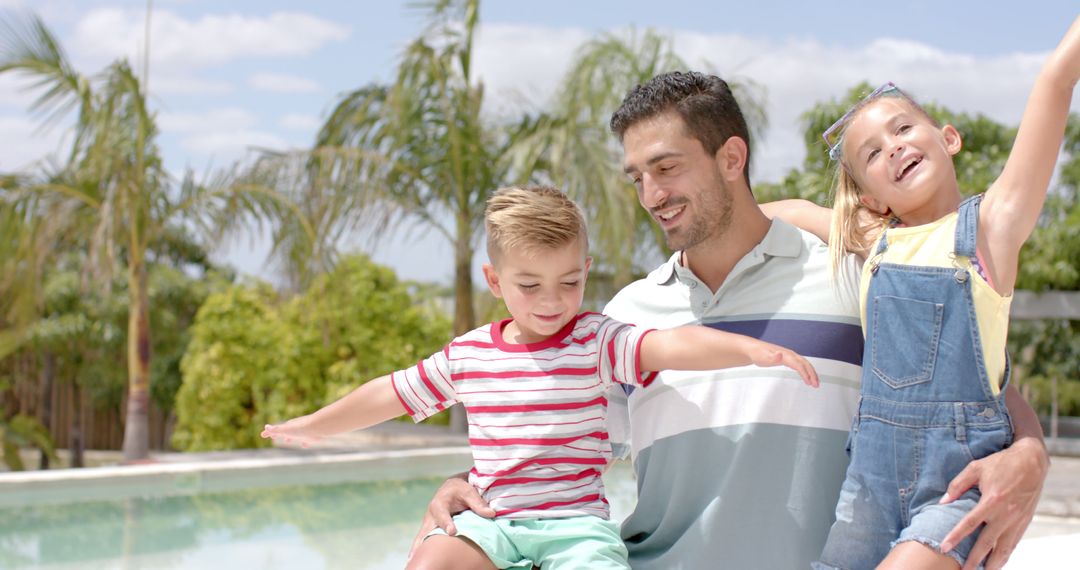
713, 218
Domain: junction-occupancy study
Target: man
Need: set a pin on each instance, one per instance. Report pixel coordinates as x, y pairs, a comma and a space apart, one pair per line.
741, 468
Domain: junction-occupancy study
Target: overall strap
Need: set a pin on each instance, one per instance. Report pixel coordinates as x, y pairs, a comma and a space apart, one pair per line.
882, 244
967, 225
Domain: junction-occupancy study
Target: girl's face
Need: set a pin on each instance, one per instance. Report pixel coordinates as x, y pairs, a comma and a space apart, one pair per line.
902, 162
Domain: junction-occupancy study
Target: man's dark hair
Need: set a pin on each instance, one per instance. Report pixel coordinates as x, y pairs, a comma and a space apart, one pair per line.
705, 103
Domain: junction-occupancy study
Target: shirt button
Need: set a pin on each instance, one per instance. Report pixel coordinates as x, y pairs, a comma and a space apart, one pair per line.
693, 284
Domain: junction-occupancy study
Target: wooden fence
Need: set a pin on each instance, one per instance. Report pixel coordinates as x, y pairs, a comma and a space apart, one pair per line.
101, 428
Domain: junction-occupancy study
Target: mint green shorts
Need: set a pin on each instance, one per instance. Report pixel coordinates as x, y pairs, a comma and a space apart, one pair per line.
575, 542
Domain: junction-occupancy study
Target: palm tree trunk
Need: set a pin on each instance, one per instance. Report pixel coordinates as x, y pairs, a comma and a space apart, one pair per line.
136, 429
48, 378
464, 313
76, 445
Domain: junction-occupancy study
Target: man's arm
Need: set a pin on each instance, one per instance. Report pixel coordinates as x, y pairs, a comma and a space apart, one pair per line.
1010, 482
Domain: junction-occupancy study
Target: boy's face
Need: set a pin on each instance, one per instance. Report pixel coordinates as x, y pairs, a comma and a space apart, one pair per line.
542, 291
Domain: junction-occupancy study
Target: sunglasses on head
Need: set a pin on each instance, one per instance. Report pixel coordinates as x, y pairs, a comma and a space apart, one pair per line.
834, 135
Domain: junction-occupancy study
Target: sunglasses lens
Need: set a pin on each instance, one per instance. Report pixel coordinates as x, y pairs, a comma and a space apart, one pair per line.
833, 134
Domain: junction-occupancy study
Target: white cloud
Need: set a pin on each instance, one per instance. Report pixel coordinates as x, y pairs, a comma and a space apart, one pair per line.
24, 143
225, 119
523, 64
106, 33
796, 73
282, 83
15, 92
299, 122
187, 85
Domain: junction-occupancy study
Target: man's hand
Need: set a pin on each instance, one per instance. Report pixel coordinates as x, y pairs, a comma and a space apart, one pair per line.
454, 496
1010, 482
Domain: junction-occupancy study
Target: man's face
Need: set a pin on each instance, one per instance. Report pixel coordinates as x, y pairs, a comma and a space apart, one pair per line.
677, 181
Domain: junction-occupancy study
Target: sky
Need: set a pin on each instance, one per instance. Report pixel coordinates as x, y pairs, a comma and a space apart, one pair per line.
230, 76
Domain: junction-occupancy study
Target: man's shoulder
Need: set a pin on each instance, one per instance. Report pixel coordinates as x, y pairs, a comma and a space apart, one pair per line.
811, 265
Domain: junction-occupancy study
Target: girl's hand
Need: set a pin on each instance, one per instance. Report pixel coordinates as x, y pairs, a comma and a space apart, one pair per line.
294, 430
765, 354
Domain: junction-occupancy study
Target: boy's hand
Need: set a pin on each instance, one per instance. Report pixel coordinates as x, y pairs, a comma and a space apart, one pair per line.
294, 430
765, 354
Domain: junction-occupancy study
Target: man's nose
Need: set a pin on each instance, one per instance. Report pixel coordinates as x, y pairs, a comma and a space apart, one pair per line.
652, 196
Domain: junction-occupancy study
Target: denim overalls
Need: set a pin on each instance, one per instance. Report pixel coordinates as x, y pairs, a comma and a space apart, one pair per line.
926, 409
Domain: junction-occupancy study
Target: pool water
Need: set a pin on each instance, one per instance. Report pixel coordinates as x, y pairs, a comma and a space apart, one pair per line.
365, 525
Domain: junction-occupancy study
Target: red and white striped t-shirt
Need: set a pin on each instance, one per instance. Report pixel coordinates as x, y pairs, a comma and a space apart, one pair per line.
537, 412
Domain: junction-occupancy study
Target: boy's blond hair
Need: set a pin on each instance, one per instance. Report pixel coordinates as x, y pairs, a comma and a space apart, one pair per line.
530, 219
855, 227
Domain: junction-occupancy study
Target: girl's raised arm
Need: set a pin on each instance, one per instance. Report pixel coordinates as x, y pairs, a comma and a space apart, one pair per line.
1012, 204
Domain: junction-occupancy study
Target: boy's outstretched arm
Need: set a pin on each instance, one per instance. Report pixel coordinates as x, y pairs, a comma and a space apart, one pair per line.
802, 214
702, 348
1013, 202
370, 404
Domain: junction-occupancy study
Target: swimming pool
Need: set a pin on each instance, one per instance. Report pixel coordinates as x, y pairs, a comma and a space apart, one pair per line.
278, 516
354, 510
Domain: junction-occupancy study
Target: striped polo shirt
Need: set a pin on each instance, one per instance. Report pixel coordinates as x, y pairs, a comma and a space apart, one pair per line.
537, 412
742, 467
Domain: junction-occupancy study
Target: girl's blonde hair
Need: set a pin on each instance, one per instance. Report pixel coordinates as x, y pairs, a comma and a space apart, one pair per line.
854, 227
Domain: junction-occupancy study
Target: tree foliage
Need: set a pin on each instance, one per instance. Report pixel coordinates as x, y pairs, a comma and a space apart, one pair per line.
255, 360
112, 193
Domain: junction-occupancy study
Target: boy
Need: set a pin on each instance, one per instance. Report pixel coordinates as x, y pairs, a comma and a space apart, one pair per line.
533, 388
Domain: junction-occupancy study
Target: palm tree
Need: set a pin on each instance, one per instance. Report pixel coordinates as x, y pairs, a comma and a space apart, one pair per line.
421, 151
113, 189
416, 151
585, 159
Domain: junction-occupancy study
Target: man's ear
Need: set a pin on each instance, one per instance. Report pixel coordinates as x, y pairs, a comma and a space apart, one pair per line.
491, 277
731, 158
953, 141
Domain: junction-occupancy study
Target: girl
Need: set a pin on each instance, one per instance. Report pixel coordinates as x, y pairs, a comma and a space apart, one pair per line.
936, 289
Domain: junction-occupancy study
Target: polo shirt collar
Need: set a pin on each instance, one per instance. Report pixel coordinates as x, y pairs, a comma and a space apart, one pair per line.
782, 240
